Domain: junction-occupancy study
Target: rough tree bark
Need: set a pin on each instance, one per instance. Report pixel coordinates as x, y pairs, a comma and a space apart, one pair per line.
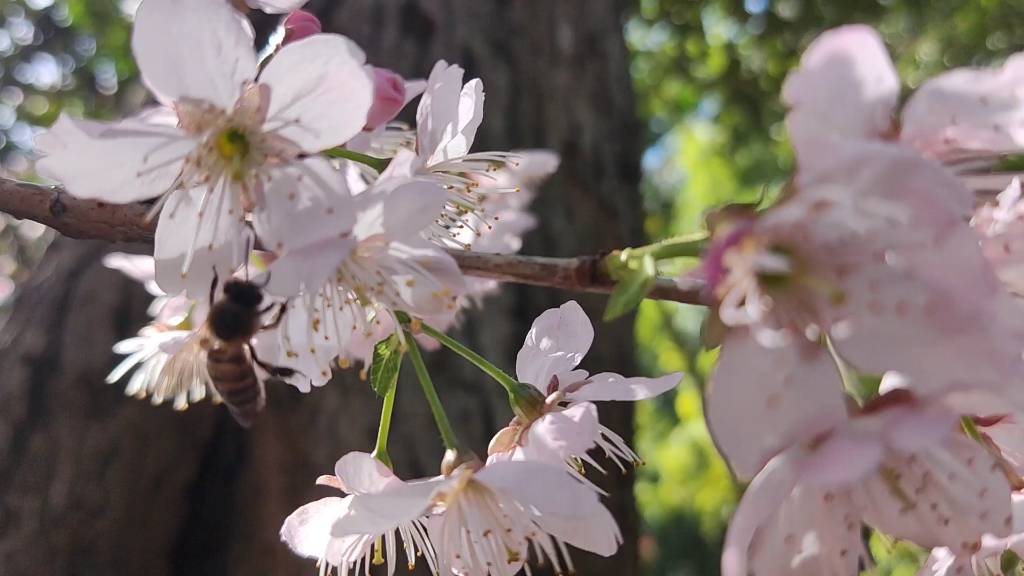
93, 483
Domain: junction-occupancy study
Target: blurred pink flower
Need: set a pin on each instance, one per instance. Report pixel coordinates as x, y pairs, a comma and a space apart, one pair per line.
900, 465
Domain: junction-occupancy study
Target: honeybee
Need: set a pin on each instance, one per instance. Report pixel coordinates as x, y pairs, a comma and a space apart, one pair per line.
220, 352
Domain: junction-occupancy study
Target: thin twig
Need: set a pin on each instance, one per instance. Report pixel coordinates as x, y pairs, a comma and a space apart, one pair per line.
94, 220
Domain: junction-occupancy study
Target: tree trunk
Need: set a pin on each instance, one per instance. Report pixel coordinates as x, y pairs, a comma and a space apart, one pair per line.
93, 483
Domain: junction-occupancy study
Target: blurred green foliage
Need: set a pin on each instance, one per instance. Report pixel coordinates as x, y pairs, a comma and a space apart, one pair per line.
58, 54
707, 75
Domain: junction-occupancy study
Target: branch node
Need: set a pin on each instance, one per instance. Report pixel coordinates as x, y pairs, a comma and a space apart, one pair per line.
57, 206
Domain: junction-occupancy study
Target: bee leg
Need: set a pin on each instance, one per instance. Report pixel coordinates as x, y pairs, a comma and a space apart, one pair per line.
278, 317
276, 371
213, 285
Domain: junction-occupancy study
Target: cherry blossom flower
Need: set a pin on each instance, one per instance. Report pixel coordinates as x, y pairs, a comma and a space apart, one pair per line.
348, 282
567, 426
174, 320
236, 131
486, 519
509, 220
148, 354
308, 531
846, 84
868, 252
899, 465
447, 119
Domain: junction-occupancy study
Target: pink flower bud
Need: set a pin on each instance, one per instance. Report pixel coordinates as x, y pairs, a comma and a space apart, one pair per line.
299, 25
388, 97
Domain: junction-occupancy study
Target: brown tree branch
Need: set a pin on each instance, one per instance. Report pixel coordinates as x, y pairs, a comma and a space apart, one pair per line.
90, 219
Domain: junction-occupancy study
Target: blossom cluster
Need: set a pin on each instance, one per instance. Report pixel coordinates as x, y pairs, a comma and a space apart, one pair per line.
870, 324
869, 320
293, 176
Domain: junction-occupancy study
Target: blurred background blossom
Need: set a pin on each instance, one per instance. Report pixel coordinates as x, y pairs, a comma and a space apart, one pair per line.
707, 75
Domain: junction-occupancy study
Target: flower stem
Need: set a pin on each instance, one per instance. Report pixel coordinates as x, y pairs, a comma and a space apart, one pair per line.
380, 451
378, 164
490, 369
688, 246
451, 442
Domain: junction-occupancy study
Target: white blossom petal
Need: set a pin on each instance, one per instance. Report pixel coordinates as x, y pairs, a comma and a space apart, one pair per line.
309, 268
384, 511
361, 473
551, 490
608, 386
305, 202
118, 162
219, 240
193, 49
320, 92
307, 531
556, 343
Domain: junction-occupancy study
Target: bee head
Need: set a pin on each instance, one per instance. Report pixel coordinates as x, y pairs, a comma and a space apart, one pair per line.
243, 293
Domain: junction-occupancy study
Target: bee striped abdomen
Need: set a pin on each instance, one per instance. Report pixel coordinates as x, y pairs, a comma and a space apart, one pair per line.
232, 374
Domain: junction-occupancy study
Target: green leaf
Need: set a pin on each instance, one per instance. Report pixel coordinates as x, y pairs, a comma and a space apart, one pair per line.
387, 360
633, 288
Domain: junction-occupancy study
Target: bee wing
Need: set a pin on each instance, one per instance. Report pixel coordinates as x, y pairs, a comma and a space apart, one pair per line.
184, 377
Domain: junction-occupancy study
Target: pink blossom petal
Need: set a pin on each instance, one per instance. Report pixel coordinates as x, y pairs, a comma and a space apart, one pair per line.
388, 97
608, 386
307, 531
847, 456
760, 400
968, 109
320, 92
939, 340
813, 533
561, 434
950, 496
920, 430
557, 342
193, 49
846, 80
361, 473
769, 489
